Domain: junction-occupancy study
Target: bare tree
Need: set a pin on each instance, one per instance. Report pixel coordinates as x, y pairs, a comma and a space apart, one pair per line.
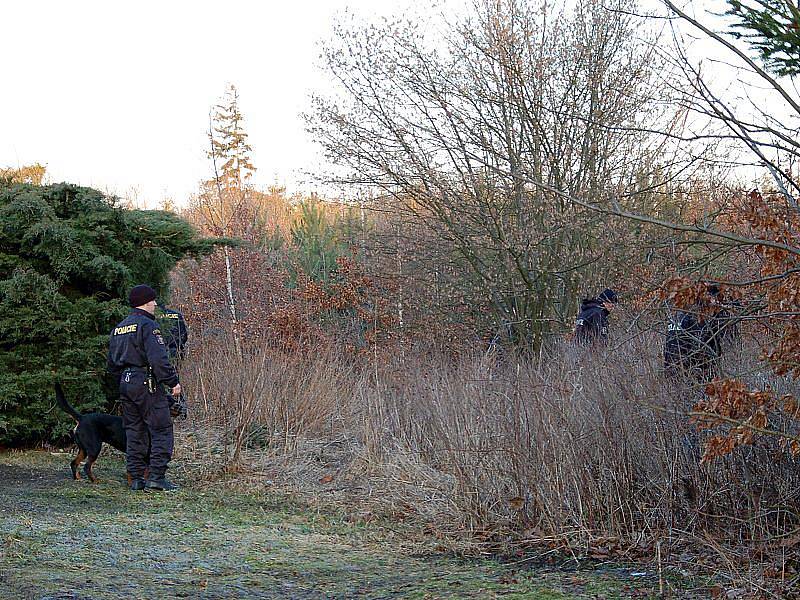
456, 128
752, 118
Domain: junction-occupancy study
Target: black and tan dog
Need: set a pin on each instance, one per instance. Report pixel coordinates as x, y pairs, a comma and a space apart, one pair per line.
91, 431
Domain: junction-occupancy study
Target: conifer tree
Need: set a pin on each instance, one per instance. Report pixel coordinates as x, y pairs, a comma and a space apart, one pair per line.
772, 28
316, 242
68, 256
229, 143
225, 203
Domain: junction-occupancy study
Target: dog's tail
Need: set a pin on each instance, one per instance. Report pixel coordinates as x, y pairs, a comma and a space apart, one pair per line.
62, 402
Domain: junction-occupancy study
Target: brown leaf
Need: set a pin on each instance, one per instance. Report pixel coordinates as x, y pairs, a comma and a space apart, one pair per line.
516, 502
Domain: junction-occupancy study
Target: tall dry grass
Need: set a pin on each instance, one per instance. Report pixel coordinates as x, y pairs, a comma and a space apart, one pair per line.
581, 448
266, 398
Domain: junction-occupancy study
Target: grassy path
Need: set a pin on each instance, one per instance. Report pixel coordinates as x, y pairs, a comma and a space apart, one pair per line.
65, 540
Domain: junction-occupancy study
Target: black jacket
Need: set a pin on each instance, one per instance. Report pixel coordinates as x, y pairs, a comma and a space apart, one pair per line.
137, 342
592, 322
174, 331
692, 344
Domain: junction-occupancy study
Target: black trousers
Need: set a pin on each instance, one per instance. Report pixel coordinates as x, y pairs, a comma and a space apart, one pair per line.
148, 426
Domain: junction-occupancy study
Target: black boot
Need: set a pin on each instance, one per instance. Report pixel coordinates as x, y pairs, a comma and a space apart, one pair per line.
161, 485
137, 485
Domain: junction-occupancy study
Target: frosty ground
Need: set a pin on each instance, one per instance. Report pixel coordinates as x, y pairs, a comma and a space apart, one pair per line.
71, 540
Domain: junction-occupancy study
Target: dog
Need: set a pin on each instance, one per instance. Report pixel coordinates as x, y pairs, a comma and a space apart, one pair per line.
91, 431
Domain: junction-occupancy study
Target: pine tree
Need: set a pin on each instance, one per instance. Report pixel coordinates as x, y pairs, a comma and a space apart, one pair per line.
68, 256
772, 28
223, 206
316, 242
225, 203
229, 147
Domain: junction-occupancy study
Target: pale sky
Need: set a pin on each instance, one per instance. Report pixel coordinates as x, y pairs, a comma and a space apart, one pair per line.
116, 95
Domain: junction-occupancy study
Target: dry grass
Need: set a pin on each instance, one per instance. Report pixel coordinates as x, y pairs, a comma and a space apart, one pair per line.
583, 451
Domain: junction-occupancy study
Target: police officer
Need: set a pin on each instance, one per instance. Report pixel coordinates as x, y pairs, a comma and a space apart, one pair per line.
175, 332
592, 322
176, 335
694, 340
138, 355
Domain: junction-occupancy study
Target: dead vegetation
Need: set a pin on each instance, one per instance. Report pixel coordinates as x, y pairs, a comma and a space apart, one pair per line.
584, 453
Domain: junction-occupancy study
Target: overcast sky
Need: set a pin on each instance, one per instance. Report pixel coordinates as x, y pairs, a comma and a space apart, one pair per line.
116, 95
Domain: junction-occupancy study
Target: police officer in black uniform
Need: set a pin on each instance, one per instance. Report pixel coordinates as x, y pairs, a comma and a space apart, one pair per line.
175, 332
138, 355
592, 322
176, 336
694, 340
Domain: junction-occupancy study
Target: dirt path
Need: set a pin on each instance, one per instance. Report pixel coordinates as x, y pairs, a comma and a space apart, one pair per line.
65, 540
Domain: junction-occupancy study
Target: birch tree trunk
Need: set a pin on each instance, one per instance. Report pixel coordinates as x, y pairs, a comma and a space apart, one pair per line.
232, 302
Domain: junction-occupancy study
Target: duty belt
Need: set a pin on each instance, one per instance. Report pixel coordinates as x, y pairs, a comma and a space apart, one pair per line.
133, 369
150, 380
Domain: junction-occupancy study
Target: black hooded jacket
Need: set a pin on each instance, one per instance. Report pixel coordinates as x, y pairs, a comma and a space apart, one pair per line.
592, 322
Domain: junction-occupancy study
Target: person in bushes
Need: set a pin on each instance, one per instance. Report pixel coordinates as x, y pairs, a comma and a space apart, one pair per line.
696, 337
591, 324
138, 356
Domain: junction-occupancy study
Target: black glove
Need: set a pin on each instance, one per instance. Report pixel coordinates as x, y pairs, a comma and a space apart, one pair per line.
178, 407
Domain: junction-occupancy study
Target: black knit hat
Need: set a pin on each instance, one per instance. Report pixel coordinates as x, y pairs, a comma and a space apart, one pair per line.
608, 295
141, 294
